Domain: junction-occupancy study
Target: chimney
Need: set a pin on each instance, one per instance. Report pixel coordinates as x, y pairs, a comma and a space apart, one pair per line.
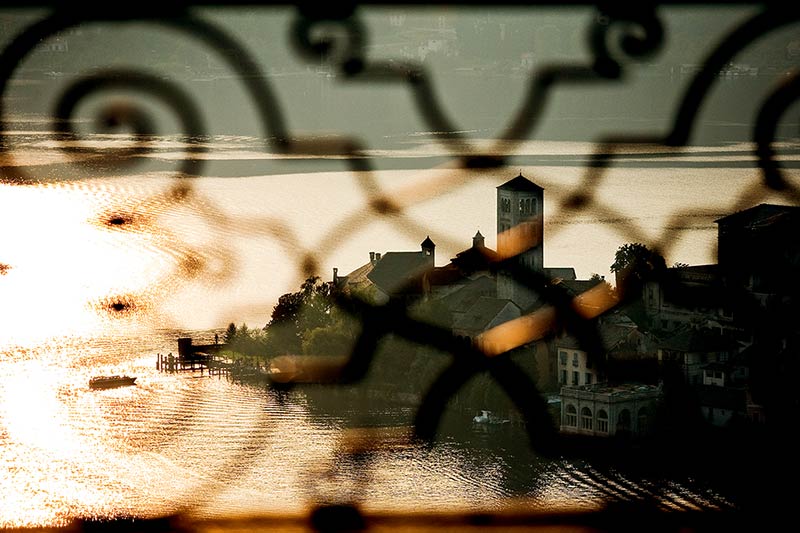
335, 275
372, 257
377, 257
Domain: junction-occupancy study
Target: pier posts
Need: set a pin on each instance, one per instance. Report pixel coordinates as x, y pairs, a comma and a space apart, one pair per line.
192, 357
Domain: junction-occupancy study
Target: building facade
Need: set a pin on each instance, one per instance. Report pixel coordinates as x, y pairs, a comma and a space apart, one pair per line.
574, 367
603, 410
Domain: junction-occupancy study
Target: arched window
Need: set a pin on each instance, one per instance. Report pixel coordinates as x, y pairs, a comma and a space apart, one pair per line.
602, 421
644, 420
571, 418
534, 208
624, 421
586, 418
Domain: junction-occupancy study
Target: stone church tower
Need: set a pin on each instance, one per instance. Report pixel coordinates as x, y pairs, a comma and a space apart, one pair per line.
520, 233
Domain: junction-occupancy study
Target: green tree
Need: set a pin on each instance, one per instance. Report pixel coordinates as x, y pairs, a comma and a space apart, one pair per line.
297, 313
245, 341
282, 338
634, 263
230, 333
637, 256
337, 338
308, 307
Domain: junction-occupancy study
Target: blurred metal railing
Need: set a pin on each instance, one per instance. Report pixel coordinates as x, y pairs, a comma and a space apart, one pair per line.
639, 31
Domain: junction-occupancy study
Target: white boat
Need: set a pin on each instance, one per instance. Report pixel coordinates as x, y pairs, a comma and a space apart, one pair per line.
109, 382
487, 417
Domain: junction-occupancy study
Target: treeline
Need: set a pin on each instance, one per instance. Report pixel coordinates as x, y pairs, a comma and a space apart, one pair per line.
308, 322
305, 322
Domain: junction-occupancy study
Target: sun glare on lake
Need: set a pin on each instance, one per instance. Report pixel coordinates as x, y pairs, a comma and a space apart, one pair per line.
60, 263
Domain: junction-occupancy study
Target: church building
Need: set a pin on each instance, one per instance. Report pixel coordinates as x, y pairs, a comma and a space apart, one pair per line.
472, 274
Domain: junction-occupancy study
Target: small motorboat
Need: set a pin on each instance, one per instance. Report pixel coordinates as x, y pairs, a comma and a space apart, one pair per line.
110, 382
487, 417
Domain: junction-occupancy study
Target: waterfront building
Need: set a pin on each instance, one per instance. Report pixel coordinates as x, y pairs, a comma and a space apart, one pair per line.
756, 276
689, 351
758, 249
688, 296
724, 395
574, 366
391, 275
628, 354
605, 410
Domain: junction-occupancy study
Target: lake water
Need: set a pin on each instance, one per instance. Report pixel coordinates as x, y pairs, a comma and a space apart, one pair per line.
210, 447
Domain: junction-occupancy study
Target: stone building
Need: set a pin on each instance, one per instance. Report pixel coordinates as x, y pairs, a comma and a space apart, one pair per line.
755, 277
474, 293
609, 410
688, 296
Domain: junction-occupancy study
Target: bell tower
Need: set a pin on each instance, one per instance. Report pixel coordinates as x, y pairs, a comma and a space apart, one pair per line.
520, 233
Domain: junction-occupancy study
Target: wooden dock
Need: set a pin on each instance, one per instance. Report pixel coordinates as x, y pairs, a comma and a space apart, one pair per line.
206, 359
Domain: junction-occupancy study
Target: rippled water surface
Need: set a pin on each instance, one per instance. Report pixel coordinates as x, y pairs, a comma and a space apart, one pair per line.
211, 447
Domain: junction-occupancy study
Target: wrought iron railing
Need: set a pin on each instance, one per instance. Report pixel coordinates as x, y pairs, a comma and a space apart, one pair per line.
337, 36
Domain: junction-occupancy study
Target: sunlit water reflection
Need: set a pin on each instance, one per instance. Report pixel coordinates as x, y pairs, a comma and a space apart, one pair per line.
212, 447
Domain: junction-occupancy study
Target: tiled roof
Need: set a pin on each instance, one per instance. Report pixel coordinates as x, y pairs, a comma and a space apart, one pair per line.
521, 183
462, 299
698, 340
482, 312
760, 215
562, 273
398, 272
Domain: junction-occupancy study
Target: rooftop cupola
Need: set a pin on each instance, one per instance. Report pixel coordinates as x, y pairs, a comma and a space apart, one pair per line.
478, 241
428, 247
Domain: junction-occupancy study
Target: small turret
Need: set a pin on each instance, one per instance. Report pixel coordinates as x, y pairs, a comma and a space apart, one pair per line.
478, 241
428, 246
